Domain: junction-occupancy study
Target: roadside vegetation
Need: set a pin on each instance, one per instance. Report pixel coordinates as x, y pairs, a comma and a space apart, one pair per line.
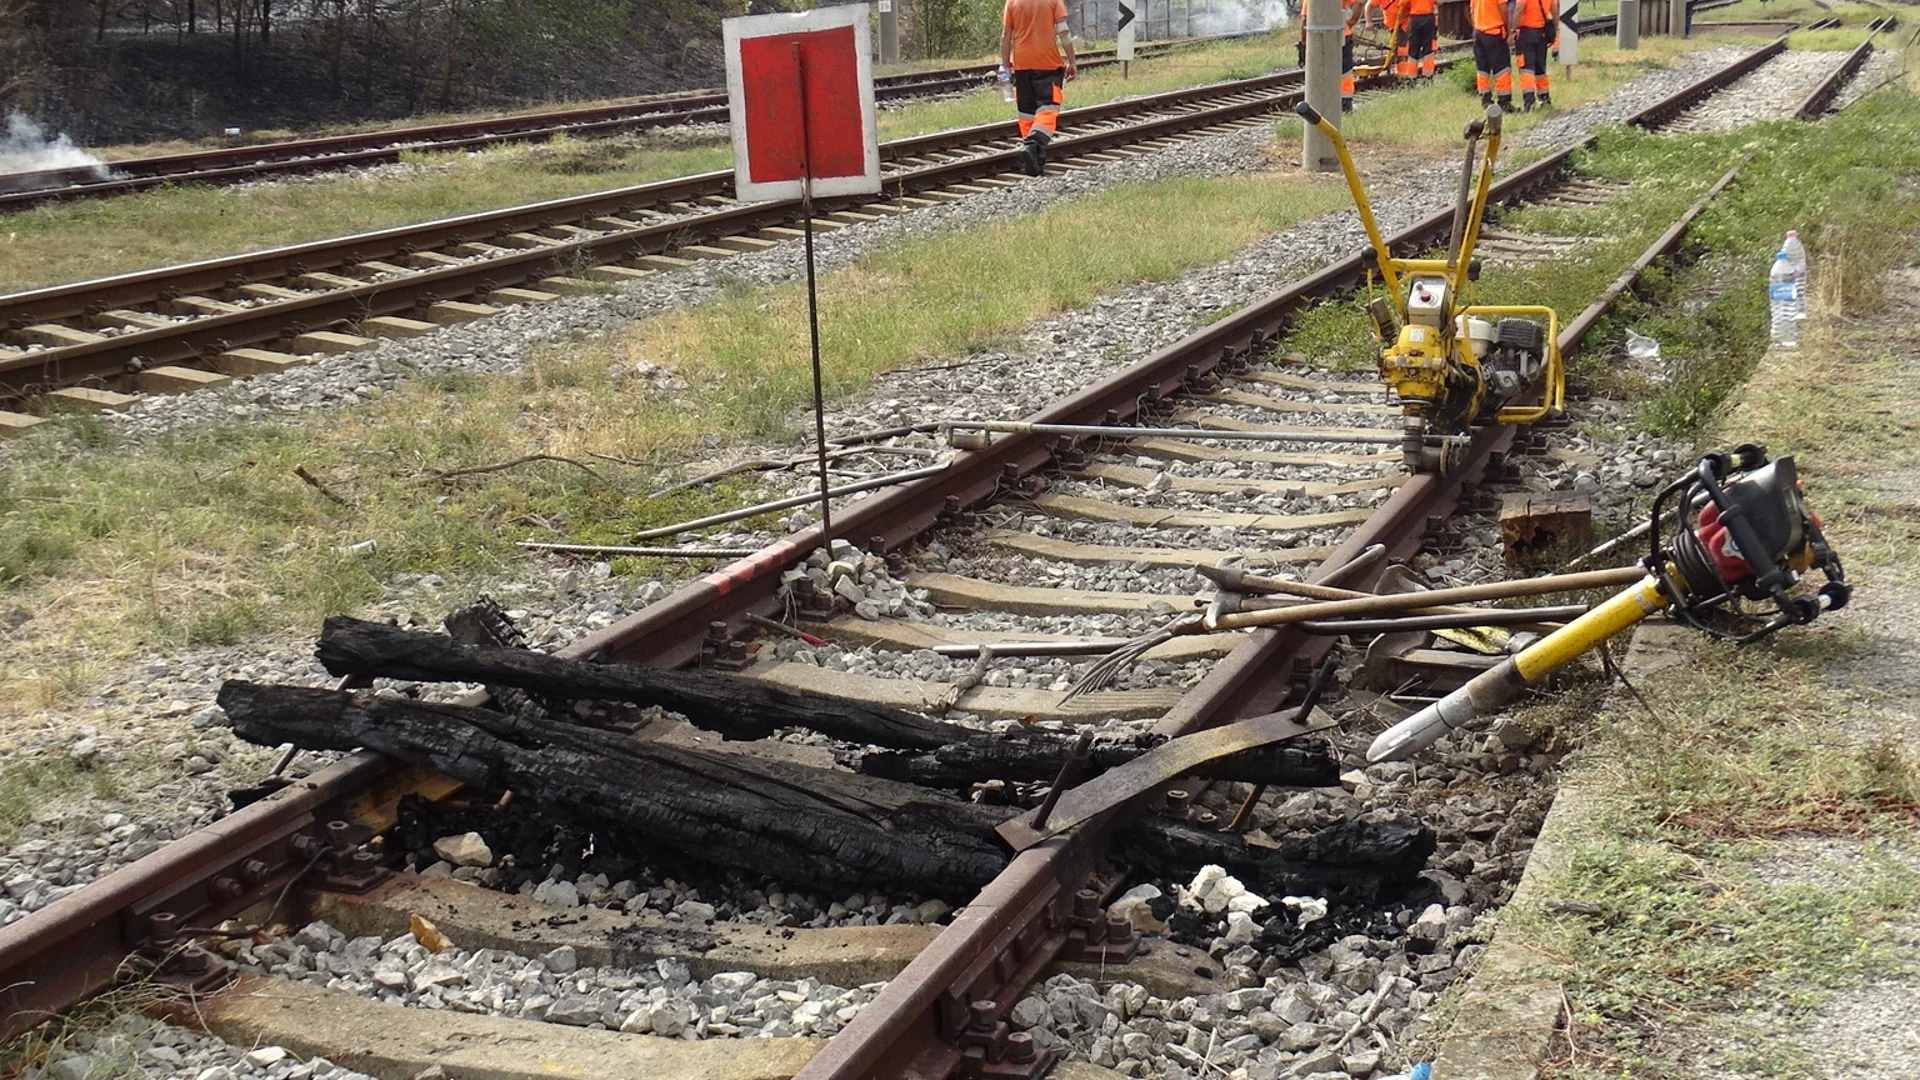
60, 243
1755, 844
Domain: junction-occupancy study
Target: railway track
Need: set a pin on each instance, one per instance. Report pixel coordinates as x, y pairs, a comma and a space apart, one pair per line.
87, 345
184, 327
948, 1005
237, 164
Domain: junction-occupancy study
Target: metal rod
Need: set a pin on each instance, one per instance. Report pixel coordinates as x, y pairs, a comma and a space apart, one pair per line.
788, 503
657, 552
1083, 647
1021, 427
1070, 770
813, 299
1479, 617
1380, 605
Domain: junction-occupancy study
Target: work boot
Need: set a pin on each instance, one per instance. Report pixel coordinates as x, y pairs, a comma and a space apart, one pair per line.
1506, 103
1346, 105
1526, 102
1486, 99
1032, 156
1546, 100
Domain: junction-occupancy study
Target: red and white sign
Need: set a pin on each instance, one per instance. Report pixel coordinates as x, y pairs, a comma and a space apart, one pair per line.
802, 76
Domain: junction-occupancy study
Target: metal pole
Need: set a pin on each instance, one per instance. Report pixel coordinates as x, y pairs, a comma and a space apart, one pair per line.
1626, 31
813, 300
1323, 27
889, 32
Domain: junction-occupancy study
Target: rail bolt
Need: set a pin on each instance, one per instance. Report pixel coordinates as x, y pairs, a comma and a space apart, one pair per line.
980, 1015
1086, 904
305, 847
1020, 1048
254, 871
1177, 799
1119, 930
162, 926
339, 836
225, 888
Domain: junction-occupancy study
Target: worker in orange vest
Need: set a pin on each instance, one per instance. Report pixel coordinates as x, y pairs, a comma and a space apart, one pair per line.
1393, 15
1492, 66
1036, 48
1422, 32
1538, 31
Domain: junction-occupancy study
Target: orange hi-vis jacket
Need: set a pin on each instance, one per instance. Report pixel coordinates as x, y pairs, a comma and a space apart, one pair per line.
1534, 13
1490, 16
1390, 12
1416, 7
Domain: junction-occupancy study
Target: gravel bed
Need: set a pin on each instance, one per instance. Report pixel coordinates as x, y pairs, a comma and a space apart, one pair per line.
1770, 92
1875, 73
662, 1000
1648, 89
133, 1045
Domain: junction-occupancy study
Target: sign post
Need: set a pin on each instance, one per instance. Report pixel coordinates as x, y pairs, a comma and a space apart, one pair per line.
800, 96
1570, 35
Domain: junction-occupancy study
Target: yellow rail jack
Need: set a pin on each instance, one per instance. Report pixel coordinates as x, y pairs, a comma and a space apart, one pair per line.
1451, 363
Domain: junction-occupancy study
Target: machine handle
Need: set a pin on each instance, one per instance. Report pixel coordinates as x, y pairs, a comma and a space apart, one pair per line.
1308, 113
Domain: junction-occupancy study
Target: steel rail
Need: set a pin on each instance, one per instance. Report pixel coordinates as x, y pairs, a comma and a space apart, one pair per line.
57, 956
1820, 97
330, 152
190, 340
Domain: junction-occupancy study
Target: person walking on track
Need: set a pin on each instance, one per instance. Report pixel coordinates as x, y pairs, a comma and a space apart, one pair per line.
1035, 46
1538, 31
1492, 66
1421, 31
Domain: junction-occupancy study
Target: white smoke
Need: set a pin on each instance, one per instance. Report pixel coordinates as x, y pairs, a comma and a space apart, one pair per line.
25, 148
1237, 16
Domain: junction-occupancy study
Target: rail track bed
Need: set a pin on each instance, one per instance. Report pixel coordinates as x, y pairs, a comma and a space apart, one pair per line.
239, 164
1026, 538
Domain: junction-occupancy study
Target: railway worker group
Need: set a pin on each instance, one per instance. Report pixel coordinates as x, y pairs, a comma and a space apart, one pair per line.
1507, 34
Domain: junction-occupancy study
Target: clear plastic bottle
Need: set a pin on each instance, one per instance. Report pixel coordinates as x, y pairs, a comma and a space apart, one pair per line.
1006, 84
1783, 303
1797, 258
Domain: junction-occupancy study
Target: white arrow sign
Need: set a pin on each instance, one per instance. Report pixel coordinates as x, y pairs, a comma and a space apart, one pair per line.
1570, 34
1125, 27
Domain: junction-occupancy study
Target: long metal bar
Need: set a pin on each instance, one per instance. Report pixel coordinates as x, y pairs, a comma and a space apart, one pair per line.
1114, 431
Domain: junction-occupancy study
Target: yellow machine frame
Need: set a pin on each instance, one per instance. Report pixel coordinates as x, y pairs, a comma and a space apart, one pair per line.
1429, 368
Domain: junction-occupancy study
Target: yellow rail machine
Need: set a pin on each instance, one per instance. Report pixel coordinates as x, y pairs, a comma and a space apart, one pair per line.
1453, 364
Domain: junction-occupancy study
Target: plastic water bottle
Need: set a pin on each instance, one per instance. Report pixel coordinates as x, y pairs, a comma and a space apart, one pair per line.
1006, 84
1797, 258
1783, 302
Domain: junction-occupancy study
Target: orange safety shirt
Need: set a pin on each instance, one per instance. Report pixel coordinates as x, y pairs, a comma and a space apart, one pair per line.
1490, 16
1417, 7
1533, 13
1390, 12
1035, 45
